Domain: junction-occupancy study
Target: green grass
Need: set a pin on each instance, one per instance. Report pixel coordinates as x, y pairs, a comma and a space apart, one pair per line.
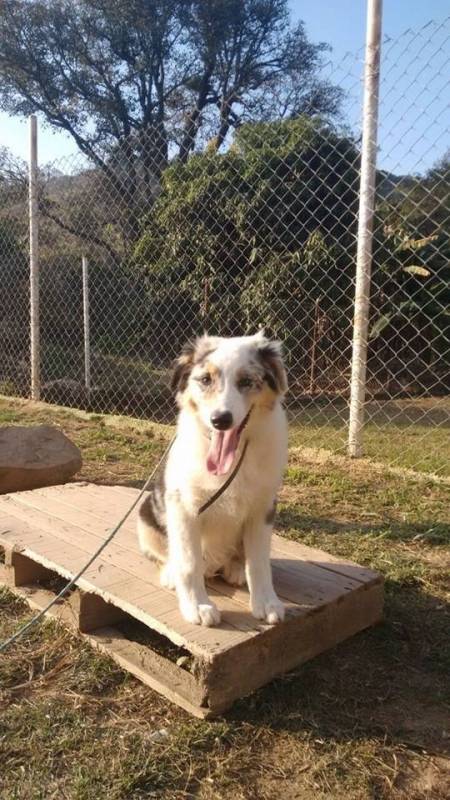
366, 721
412, 434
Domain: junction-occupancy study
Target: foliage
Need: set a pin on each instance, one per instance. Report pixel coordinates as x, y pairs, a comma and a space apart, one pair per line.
242, 233
411, 280
135, 79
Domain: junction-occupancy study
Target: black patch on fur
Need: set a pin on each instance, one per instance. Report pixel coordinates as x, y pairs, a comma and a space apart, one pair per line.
152, 510
182, 368
193, 353
270, 380
274, 374
270, 516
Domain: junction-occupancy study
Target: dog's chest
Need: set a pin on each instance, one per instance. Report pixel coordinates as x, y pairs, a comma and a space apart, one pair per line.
251, 493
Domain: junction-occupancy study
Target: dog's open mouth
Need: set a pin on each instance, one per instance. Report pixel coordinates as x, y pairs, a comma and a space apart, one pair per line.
223, 447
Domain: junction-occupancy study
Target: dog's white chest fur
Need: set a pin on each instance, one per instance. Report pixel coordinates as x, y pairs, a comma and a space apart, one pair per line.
251, 493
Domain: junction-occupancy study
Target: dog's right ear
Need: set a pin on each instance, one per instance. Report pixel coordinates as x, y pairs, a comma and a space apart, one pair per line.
182, 368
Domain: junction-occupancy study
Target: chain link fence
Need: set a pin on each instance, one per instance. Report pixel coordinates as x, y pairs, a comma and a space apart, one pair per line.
259, 233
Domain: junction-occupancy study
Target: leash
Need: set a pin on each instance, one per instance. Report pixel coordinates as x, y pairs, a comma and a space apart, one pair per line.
68, 586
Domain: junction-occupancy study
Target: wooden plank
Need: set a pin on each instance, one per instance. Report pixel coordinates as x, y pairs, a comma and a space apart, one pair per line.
307, 572
303, 588
174, 683
70, 529
25, 570
326, 561
89, 499
94, 612
137, 567
54, 552
97, 525
251, 665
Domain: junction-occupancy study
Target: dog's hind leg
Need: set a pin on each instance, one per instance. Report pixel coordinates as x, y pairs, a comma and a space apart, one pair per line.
151, 534
234, 571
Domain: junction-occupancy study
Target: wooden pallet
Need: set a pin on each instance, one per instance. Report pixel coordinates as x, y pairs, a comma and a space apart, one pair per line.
49, 533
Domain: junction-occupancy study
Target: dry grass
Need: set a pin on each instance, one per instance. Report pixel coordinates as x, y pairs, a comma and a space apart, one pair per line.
367, 721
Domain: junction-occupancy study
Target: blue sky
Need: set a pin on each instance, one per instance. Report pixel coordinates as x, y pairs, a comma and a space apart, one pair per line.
413, 111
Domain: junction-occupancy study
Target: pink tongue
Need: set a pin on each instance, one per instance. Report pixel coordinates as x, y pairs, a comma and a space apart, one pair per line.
222, 451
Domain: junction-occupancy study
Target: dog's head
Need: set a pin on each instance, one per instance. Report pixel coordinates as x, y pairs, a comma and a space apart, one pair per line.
221, 381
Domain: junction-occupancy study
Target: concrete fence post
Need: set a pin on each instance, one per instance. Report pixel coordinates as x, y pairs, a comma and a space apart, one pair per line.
86, 323
365, 226
35, 357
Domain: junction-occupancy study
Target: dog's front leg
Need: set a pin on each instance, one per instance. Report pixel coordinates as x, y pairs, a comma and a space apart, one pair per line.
264, 603
185, 566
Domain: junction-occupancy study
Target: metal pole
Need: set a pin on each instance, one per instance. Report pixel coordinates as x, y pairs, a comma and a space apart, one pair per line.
34, 262
365, 226
87, 347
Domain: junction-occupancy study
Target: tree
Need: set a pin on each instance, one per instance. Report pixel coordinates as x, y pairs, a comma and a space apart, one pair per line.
255, 236
148, 79
410, 304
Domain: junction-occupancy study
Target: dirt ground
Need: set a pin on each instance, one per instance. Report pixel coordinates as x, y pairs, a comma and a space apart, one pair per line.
367, 721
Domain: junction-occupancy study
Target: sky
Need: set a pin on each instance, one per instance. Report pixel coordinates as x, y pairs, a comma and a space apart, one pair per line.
414, 90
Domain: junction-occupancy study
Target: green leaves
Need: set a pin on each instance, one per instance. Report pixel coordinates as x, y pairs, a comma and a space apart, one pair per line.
413, 269
404, 310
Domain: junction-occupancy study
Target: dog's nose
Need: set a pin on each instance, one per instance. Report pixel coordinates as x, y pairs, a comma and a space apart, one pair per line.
222, 420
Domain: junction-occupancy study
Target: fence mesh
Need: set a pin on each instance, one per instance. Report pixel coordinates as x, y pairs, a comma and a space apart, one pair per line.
259, 233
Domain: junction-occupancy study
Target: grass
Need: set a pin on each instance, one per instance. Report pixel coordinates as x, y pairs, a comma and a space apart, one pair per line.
411, 434
366, 721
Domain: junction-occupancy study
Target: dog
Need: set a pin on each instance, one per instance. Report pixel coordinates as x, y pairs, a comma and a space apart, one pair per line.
231, 423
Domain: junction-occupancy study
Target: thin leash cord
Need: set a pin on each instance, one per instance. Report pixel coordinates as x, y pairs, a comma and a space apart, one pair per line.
229, 480
73, 580
224, 485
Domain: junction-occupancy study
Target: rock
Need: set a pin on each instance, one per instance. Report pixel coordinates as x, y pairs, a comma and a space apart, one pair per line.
36, 456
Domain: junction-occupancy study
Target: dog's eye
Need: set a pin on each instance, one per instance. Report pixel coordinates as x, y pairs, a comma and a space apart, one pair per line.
205, 380
245, 383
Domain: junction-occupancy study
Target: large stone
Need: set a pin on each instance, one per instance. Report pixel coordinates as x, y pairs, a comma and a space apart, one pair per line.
35, 456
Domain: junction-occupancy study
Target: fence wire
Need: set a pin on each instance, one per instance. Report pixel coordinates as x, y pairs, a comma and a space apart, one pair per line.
259, 233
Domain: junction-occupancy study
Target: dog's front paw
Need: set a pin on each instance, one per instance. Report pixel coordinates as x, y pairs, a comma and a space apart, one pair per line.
270, 609
200, 614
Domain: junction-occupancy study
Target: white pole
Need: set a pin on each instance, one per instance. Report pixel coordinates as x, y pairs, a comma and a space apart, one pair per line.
34, 262
365, 226
87, 348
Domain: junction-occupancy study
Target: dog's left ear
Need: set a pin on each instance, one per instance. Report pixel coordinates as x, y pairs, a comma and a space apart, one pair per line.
182, 368
271, 356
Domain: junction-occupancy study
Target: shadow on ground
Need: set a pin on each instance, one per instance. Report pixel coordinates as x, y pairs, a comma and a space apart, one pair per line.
388, 687
431, 532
